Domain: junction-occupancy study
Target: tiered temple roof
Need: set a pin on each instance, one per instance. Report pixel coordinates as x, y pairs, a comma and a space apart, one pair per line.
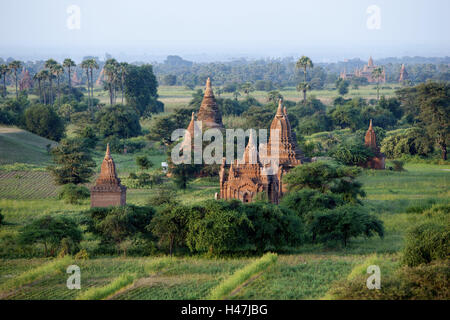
370, 140
108, 191
209, 112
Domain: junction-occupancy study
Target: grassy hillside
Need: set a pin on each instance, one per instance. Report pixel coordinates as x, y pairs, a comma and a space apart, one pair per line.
21, 146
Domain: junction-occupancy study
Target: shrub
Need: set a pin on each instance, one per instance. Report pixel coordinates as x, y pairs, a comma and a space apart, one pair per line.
426, 242
118, 121
143, 162
82, 255
424, 282
398, 165
353, 154
2, 218
72, 193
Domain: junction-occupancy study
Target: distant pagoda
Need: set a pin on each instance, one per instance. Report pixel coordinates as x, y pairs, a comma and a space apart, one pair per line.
107, 190
370, 140
209, 112
403, 74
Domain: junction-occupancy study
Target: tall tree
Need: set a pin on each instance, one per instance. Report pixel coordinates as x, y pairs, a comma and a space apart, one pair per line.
68, 64
85, 66
434, 112
58, 70
44, 75
13, 67
73, 162
377, 74
50, 65
111, 73
304, 63
3, 72
38, 77
123, 71
92, 65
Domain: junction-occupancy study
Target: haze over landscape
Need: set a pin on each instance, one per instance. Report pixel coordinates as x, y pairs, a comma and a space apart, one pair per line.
205, 31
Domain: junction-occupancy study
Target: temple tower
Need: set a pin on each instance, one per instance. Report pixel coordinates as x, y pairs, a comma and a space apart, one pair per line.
379, 159
403, 74
209, 112
107, 190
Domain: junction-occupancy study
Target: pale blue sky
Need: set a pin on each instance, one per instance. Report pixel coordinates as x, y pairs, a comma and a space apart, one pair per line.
324, 29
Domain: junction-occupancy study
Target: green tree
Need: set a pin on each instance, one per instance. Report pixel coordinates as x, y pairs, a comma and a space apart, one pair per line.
50, 231
304, 63
58, 70
143, 162
3, 72
72, 162
69, 64
118, 121
44, 121
434, 112
111, 70
86, 65
377, 73
345, 222
13, 67
326, 176
50, 65
352, 153
303, 87
141, 90
115, 225
170, 225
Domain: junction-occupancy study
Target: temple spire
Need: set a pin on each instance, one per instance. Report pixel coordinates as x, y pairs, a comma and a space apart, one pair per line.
370, 125
280, 108
108, 152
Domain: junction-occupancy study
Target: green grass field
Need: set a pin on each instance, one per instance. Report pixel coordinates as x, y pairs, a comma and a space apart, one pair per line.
306, 272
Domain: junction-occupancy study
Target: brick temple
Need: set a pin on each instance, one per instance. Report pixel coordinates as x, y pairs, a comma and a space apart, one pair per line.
403, 74
370, 140
107, 190
253, 175
365, 72
209, 112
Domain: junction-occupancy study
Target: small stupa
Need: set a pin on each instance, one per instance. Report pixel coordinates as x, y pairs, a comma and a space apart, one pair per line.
107, 190
209, 112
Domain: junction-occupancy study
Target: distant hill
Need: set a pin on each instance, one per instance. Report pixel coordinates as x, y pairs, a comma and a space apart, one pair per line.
20, 146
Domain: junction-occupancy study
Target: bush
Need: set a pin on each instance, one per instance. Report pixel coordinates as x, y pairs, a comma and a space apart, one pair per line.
72, 193
424, 282
426, 242
2, 218
352, 154
143, 162
398, 165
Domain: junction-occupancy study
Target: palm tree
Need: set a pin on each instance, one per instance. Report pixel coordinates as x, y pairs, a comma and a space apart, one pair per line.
304, 63
92, 65
14, 66
38, 77
3, 72
44, 75
303, 86
50, 65
69, 63
377, 73
123, 71
111, 68
85, 66
58, 70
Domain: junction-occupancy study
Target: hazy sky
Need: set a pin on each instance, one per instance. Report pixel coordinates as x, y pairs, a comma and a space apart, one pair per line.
323, 29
